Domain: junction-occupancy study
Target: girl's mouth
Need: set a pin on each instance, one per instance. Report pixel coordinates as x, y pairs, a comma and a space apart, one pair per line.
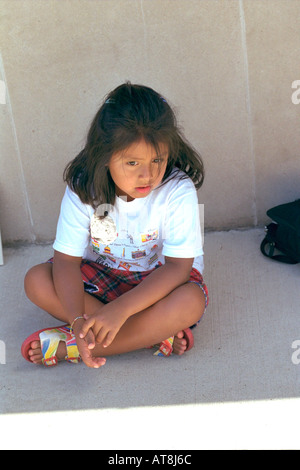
143, 189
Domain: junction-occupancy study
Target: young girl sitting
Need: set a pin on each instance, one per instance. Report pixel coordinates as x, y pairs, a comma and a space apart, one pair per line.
128, 257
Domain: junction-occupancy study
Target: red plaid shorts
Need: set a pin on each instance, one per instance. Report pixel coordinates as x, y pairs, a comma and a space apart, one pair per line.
107, 283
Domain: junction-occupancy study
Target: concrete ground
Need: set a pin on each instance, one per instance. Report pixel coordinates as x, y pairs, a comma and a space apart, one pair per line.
238, 388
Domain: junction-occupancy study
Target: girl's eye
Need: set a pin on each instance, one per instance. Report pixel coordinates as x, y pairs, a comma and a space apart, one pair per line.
155, 160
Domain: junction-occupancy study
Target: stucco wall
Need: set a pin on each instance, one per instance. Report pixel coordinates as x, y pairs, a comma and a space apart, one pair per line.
226, 65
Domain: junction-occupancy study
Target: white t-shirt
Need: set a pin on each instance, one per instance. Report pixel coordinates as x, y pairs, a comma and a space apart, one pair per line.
136, 235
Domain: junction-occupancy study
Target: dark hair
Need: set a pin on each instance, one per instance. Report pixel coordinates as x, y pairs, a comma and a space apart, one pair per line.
129, 113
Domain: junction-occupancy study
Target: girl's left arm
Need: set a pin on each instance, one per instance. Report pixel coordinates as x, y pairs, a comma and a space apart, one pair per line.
156, 286
162, 281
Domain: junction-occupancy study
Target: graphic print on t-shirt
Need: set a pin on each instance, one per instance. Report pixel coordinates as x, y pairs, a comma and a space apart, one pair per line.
128, 250
151, 235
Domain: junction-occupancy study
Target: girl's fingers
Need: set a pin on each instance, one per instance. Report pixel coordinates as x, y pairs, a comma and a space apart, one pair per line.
90, 339
101, 335
109, 339
88, 324
93, 362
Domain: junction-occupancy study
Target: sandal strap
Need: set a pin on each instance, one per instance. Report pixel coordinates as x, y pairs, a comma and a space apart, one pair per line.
165, 348
49, 343
51, 361
72, 350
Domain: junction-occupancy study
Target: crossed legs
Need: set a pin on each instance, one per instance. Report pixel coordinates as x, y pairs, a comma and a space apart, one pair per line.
181, 308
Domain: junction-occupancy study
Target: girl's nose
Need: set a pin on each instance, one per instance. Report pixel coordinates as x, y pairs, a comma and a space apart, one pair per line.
146, 172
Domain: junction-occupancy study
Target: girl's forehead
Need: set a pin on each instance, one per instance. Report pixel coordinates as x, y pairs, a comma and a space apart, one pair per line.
143, 149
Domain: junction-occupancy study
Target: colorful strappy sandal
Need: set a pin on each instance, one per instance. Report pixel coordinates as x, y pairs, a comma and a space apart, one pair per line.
50, 338
166, 346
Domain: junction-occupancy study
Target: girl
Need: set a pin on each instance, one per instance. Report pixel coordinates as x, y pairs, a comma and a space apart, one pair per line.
129, 229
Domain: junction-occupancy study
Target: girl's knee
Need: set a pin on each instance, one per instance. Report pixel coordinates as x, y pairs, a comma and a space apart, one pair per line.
34, 279
197, 303
30, 281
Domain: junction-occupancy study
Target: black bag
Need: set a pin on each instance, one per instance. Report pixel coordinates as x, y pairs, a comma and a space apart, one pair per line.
284, 235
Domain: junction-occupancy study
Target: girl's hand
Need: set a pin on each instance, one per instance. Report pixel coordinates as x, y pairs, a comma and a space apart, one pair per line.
104, 325
85, 347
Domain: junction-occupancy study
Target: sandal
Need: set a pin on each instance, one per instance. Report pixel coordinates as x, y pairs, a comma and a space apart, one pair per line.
166, 346
50, 338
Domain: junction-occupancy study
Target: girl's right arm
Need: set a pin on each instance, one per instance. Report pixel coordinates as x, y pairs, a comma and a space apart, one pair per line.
68, 284
72, 237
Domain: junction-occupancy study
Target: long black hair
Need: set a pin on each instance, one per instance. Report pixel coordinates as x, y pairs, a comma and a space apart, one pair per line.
128, 114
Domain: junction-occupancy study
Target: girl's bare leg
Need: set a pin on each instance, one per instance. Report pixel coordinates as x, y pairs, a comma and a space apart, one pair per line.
180, 309
39, 288
168, 317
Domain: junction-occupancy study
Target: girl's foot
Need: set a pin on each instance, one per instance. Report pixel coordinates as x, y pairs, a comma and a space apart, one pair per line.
36, 356
179, 344
50, 345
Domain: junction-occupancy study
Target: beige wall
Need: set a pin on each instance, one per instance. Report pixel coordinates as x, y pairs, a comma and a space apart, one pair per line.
227, 66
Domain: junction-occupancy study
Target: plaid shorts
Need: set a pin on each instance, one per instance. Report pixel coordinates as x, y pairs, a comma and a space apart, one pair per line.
106, 284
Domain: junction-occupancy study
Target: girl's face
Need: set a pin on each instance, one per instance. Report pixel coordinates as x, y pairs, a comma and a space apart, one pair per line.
137, 170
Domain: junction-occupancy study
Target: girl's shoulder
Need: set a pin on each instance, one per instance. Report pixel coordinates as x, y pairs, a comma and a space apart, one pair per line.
72, 202
179, 181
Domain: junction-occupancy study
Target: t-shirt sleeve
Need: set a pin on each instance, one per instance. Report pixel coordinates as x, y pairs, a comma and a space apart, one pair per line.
182, 237
73, 228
